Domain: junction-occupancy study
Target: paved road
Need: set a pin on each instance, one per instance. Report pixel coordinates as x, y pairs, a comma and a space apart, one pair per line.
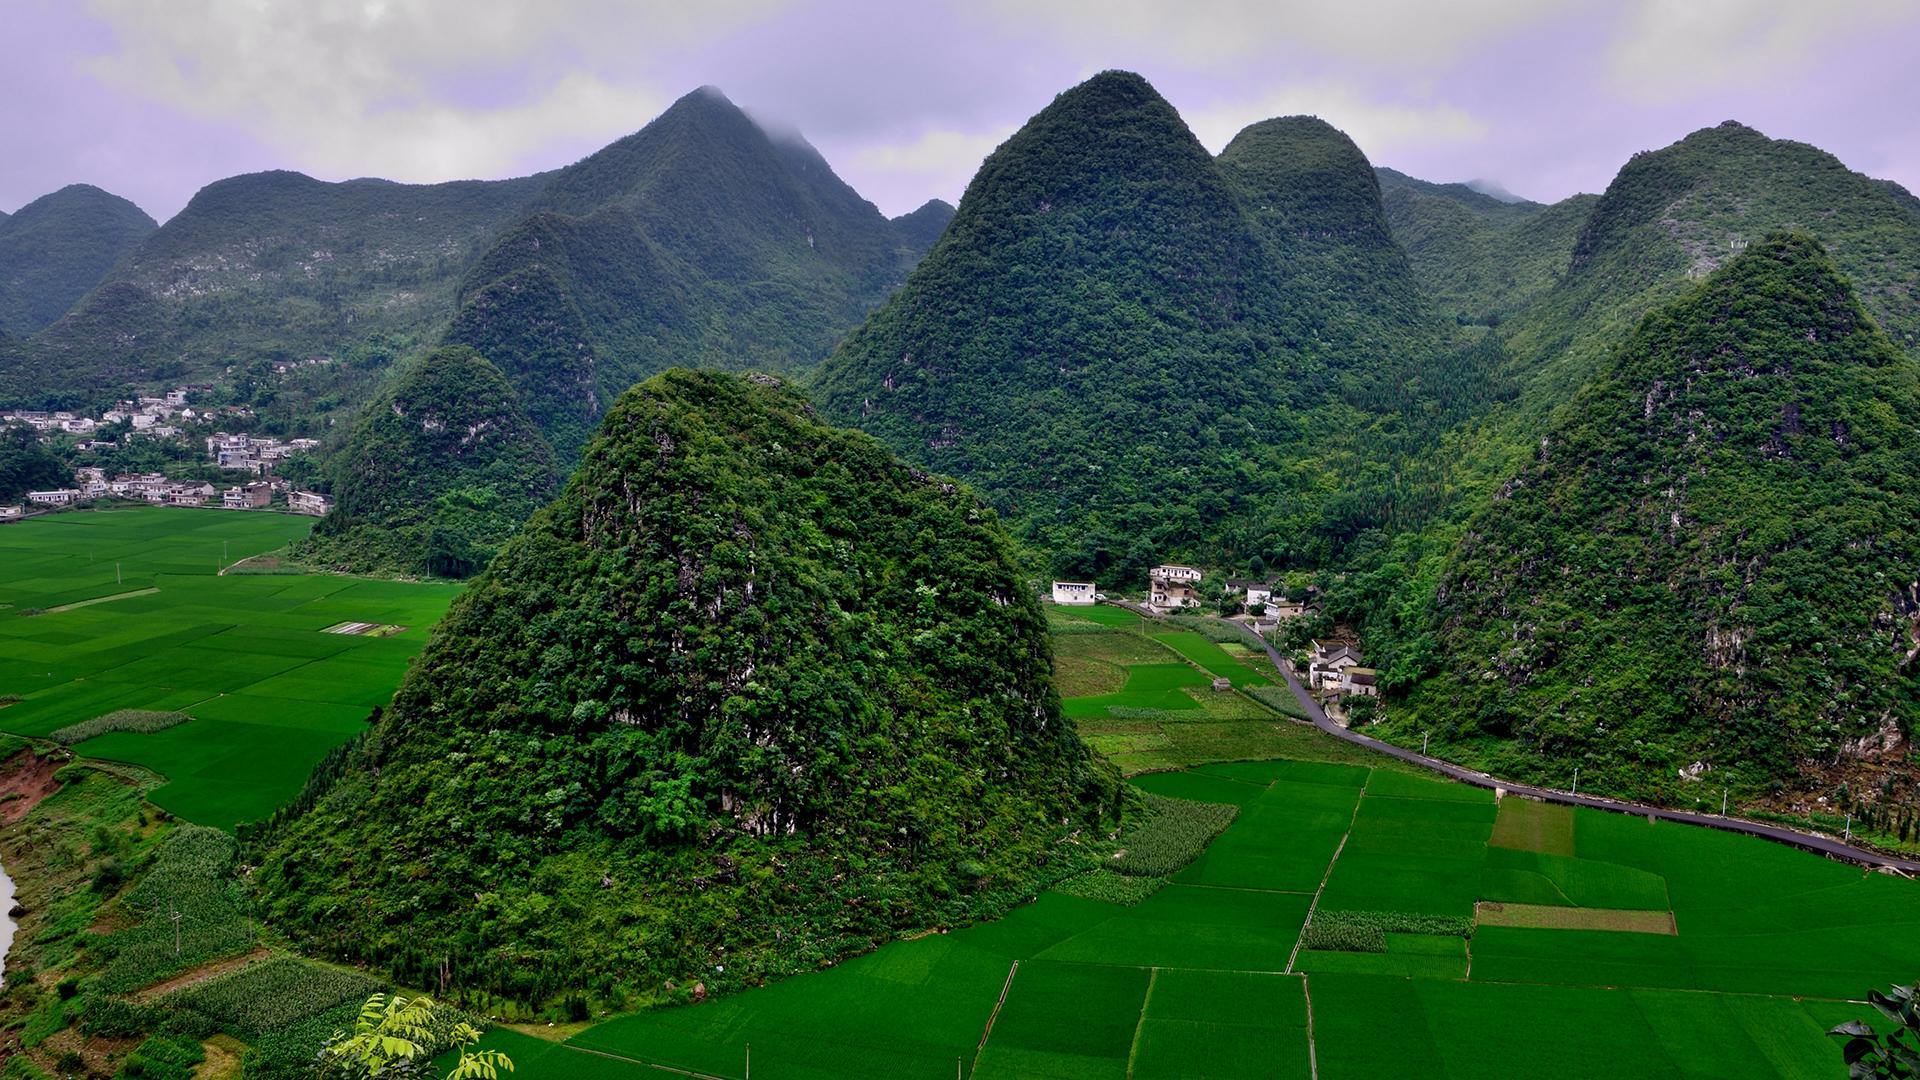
1822, 845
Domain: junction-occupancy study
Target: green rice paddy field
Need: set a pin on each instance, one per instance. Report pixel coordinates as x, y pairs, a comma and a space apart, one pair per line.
1655, 950
125, 609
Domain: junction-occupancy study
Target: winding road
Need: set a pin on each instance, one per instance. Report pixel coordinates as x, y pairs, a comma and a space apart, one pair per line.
1820, 845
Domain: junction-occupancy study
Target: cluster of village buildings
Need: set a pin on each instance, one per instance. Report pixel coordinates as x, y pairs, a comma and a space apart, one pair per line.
1334, 668
160, 417
146, 417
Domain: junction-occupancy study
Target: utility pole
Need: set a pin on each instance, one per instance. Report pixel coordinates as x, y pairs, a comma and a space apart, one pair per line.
116, 574
1849, 826
1723, 802
749, 1061
175, 916
1424, 736
1576, 780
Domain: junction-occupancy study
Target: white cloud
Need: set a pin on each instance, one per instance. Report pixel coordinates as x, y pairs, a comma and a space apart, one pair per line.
1380, 128
408, 89
1399, 32
934, 154
1666, 46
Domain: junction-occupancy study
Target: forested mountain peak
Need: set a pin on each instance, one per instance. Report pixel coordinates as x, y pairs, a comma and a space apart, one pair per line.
700, 239
1673, 215
58, 247
1707, 559
767, 695
923, 226
441, 469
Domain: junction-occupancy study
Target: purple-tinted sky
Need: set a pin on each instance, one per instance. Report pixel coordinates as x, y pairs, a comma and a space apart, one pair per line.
154, 98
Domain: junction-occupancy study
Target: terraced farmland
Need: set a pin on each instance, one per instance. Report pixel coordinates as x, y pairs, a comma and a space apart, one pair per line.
125, 610
1333, 930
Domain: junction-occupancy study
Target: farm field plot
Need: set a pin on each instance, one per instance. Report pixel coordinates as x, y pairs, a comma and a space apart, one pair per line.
1146, 700
267, 693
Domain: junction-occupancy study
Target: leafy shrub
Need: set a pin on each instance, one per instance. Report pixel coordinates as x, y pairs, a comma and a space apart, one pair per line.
1366, 931
1110, 887
139, 721
1176, 833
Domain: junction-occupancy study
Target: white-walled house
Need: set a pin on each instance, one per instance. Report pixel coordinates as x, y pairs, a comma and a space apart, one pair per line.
1170, 586
309, 502
1073, 592
1329, 663
55, 497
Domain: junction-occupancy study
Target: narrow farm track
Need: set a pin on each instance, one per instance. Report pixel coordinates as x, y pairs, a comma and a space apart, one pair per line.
1819, 845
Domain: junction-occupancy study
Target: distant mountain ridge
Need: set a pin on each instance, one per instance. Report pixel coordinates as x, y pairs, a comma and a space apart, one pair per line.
58, 247
699, 240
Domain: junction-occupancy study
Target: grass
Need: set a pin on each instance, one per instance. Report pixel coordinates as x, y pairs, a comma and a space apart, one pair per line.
264, 691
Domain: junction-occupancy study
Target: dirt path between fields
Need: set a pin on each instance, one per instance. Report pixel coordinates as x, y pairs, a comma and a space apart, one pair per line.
198, 975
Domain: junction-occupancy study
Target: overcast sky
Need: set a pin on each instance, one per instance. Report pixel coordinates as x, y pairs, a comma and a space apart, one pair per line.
152, 99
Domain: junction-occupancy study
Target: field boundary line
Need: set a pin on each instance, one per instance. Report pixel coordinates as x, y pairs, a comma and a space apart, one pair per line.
1005, 989
77, 604
1133, 1048
1294, 956
1313, 1053
642, 1064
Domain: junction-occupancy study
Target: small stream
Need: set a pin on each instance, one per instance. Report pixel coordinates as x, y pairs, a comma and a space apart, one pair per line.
6, 921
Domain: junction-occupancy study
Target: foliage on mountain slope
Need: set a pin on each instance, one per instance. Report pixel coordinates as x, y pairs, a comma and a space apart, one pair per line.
1712, 556
57, 248
1673, 215
1477, 258
701, 240
923, 226
275, 265
750, 695
1120, 339
439, 472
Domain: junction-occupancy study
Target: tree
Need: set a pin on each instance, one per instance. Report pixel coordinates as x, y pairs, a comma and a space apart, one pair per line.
1892, 1056
393, 1038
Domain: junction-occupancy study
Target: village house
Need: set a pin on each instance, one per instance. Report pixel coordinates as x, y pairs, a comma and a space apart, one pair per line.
247, 497
1252, 592
55, 497
309, 502
1073, 592
1328, 664
1170, 586
1283, 608
1362, 682
12, 513
191, 493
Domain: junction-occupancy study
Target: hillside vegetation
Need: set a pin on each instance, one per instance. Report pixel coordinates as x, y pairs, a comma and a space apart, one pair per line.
441, 469
1125, 343
765, 695
701, 240
57, 248
279, 266
1477, 258
1709, 558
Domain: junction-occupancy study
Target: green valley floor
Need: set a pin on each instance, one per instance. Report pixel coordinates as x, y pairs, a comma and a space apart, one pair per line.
114, 610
